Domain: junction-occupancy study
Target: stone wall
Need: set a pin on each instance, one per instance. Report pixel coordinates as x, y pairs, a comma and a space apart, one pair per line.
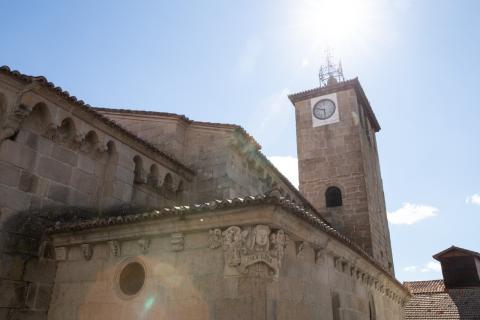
257, 262
382, 248
53, 154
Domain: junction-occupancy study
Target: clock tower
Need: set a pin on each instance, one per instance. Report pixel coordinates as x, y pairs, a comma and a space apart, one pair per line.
338, 161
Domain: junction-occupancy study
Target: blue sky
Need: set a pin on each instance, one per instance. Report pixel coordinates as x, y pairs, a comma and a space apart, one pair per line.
235, 62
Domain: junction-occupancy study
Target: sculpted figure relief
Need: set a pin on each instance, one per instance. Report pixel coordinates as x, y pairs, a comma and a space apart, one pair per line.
243, 248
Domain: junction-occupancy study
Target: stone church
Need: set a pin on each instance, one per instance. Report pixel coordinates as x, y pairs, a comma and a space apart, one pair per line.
126, 214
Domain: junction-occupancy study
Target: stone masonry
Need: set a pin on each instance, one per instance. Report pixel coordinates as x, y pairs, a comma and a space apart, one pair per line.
65, 165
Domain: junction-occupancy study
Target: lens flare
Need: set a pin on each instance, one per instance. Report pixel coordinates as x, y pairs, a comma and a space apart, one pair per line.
148, 303
344, 25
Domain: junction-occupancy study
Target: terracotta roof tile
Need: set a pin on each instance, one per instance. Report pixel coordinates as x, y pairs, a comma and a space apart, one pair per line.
462, 304
183, 118
429, 286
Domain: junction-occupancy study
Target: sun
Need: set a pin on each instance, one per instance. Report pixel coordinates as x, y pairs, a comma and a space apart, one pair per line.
335, 23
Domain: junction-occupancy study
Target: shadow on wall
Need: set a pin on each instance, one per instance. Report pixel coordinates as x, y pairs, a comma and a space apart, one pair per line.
27, 270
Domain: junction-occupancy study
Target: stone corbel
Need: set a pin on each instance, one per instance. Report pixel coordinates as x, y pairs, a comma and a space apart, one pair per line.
115, 249
87, 251
13, 122
99, 150
60, 253
144, 245
344, 264
177, 241
299, 249
319, 256
140, 176
76, 142
52, 132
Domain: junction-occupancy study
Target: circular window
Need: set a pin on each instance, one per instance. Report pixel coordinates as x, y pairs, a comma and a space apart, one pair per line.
132, 278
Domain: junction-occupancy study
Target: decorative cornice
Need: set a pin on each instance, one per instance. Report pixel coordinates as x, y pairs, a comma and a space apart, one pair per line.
311, 217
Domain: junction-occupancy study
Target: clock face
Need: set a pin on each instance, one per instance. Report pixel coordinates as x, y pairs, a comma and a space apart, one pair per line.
324, 109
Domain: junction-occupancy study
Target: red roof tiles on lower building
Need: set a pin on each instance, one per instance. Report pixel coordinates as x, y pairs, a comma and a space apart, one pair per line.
431, 300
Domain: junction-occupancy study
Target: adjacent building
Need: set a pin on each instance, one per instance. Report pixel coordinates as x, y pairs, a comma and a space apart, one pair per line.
456, 296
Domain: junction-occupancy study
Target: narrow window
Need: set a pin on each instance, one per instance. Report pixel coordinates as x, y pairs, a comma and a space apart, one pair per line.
333, 197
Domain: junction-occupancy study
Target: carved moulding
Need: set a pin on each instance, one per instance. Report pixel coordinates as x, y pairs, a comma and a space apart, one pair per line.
249, 246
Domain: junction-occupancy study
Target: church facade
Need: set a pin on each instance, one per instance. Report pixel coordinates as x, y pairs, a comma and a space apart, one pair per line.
125, 214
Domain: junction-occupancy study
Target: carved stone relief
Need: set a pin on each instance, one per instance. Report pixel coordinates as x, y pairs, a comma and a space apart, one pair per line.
244, 248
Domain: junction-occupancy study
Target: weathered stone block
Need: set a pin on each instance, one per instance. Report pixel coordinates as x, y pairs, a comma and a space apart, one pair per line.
40, 270
43, 296
11, 266
12, 293
9, 174
64, 155
28, 182
59, 193
39, 143
82, 181
16, 243
54, 170
86, 163
77, 198
13, 198
17, 154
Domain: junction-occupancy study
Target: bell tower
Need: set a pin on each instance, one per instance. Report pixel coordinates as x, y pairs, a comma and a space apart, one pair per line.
338, 162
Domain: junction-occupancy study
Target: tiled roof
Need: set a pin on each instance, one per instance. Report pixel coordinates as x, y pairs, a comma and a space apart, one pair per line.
182, 117
429, 286
462, 304
271, 198
80, 103
348, 84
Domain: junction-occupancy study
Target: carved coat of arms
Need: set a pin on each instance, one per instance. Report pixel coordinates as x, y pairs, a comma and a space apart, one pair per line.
243, 248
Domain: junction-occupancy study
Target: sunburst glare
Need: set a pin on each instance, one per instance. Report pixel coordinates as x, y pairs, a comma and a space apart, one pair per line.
341, 24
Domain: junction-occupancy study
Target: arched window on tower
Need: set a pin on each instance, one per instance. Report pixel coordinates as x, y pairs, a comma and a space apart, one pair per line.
333, 197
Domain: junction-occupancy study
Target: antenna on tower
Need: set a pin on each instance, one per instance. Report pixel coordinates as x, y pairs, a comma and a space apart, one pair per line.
330, 72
